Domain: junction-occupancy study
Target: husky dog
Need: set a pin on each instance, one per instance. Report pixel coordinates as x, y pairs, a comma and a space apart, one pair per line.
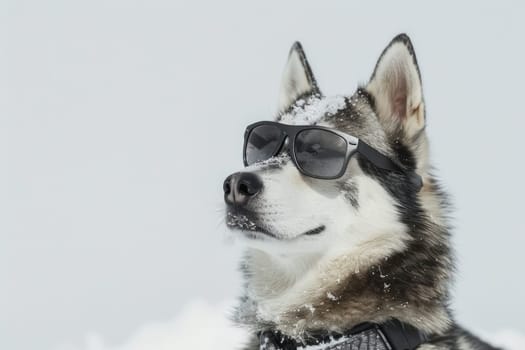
368, 246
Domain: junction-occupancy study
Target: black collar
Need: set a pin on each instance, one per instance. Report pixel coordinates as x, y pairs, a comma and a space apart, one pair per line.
391, 335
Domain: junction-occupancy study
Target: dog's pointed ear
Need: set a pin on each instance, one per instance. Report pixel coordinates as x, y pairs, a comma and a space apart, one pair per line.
396, 88
297, 79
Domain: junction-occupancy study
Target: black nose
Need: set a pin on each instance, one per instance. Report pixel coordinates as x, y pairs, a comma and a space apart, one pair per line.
239, 188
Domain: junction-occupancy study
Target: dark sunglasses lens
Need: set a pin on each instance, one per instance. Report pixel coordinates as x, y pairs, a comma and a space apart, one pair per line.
320, 153
262, 143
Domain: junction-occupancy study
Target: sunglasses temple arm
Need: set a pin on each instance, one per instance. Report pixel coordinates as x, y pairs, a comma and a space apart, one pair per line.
377, 158
382, 161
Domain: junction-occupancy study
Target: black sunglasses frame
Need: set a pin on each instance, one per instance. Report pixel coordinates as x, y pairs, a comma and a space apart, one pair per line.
353, 145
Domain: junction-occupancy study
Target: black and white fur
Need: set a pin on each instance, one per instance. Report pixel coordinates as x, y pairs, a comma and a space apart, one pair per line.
326, 255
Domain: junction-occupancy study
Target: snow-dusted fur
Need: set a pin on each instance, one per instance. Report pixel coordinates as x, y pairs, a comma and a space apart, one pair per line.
367, 247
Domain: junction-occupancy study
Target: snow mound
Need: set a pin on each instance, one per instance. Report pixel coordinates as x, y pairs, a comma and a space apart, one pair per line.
199, 326
202, 326
506, 339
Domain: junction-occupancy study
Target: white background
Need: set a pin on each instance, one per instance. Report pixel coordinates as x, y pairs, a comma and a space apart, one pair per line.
120, 119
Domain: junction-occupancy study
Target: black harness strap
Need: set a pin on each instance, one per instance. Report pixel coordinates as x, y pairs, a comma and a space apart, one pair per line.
402, 336
392, 335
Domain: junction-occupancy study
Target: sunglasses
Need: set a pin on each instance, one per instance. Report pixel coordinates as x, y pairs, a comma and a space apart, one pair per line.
317, 151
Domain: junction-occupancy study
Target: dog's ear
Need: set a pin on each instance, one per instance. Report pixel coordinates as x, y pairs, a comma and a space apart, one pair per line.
297, 79
396, 88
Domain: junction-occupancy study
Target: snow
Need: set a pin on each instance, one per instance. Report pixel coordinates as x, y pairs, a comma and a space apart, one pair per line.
330, 296
312, 110
506, 339
199, 326
203, 326
333, 342
240, 221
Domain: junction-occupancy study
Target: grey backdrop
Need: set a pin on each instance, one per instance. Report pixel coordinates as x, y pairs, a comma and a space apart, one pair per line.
120, 119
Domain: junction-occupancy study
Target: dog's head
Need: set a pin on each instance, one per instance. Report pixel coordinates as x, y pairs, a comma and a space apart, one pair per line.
279, 210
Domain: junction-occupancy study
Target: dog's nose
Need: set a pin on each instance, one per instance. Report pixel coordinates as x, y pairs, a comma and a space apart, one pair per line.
239, 188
